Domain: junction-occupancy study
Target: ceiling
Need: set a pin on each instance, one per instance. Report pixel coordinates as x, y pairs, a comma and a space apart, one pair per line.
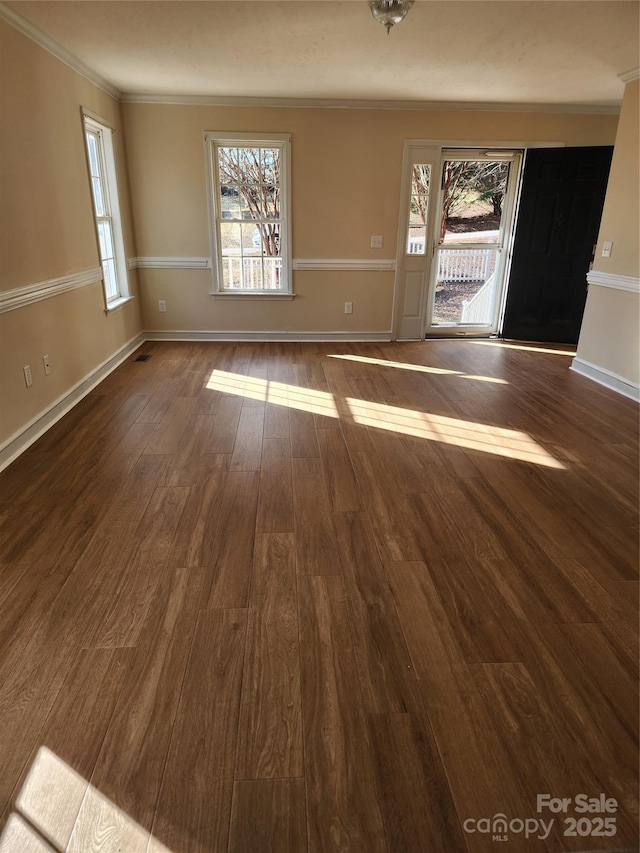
545, 52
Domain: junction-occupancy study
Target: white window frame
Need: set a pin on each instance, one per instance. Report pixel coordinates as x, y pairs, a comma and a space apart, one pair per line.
272, 140
103, 133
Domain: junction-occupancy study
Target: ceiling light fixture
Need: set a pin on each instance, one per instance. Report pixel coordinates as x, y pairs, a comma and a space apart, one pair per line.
390, 12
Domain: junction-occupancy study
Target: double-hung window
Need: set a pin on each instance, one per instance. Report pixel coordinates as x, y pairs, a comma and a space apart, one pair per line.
106, 208
250, 222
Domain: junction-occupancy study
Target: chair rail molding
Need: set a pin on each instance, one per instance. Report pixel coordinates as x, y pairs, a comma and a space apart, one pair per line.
169, 263
21, 296
344, 264
614, 280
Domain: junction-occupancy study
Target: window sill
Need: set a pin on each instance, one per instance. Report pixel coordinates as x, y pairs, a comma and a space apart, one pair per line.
252, 295
117, 304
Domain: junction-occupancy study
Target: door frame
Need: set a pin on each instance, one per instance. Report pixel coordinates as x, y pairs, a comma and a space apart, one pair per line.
408, 151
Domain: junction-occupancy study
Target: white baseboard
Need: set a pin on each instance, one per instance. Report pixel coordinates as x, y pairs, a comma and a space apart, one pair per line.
32, 431
607, 378
25, 437
300, 337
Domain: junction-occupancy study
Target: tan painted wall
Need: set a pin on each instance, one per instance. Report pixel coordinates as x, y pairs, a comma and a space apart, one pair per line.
621, 214
611, 324
47, 229
609, 335
346, 175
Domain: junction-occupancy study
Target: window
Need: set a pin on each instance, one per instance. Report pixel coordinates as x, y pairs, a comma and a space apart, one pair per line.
418, 209
106, 208
249, 201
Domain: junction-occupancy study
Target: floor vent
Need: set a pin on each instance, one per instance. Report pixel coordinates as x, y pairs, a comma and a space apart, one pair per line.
142, 358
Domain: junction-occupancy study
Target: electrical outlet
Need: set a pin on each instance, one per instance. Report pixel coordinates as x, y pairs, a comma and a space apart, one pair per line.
162, 306
348, 307
47, 365
606, 249
27, 375
376, 242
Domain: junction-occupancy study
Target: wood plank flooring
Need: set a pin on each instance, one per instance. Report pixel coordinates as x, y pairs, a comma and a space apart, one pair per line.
322, 597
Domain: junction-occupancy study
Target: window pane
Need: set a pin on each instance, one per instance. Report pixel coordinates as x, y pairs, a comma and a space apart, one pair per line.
230, 238
231, 272
98, 198
272, 273
105, 238
466, 287
270, 233
421, 179
249, 165
418, 210
230, 200
270, 160
92, 146
472, 204
252, 271
110, 282
249, 201
228, 165
274, 203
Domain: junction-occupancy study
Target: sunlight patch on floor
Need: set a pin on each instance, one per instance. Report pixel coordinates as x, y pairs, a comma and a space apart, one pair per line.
62, 809
278, 393
468, 435
531, 348
508, 443
419, 368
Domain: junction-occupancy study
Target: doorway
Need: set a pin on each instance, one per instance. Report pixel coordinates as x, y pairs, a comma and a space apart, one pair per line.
474, 225
455, 233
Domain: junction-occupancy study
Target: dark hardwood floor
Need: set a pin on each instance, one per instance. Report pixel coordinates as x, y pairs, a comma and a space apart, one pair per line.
354, 597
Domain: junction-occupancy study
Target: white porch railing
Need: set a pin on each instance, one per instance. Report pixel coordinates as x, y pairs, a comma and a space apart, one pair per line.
457, 264
464, 264
415, 246
479, 309
259, 273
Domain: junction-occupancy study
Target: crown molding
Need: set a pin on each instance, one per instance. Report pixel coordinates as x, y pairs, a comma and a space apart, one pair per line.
628, 76
348, 104
45, 41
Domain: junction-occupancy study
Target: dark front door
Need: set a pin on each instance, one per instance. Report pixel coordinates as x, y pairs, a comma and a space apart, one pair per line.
561, 203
